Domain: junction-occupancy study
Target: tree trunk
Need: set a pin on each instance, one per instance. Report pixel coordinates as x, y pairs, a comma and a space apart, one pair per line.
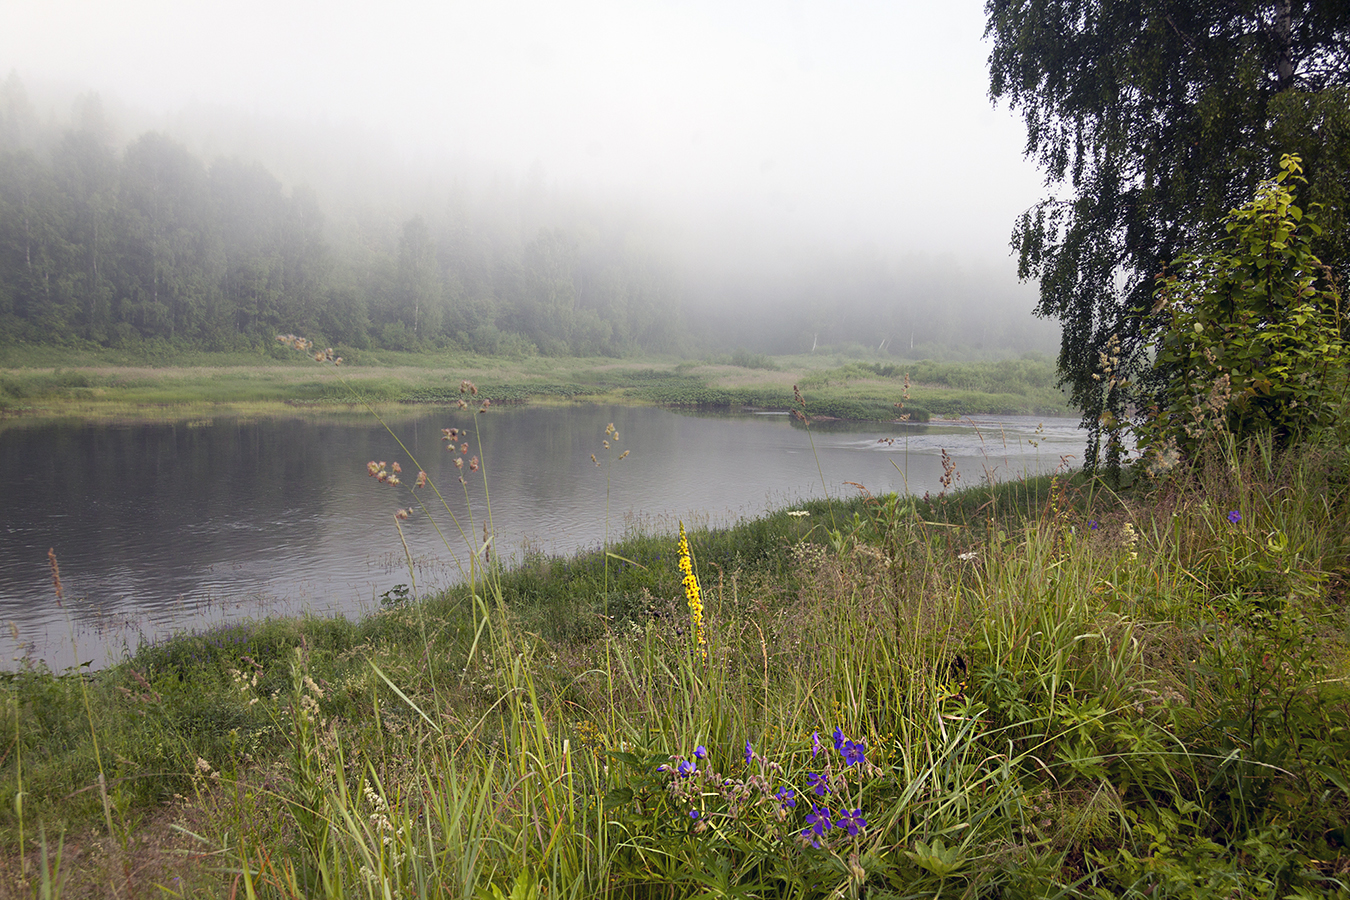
1284, 33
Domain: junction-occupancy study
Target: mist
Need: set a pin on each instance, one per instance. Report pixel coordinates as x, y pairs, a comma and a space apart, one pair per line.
792, 175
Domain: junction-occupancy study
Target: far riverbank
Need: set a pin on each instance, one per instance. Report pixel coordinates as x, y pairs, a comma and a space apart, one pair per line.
47, 382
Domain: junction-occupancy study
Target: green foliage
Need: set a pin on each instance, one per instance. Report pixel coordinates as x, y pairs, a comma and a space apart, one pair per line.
1149, 117
745, 359
1252, 340
1051, 690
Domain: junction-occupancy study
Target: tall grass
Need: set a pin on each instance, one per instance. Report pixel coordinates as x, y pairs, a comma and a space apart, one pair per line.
1035, 689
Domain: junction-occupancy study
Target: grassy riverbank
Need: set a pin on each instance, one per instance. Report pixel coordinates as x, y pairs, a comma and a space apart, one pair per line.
1041, 689
45, 382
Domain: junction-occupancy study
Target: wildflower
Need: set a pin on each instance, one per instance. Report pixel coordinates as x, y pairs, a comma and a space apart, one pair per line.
817, 823
798, 513
700, 752
749, 752
819, 783
851, 821
1094, 525
815, 744
1131, 539
1234, 517
692, 593
786, 797
421, 478
685, 768
839, 740
693, 814
854, 753
473, 464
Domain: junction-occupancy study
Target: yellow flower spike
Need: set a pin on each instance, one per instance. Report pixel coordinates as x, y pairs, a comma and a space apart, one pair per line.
693, 594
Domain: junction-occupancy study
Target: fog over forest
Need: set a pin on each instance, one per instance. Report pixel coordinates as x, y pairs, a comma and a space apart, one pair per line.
207, 224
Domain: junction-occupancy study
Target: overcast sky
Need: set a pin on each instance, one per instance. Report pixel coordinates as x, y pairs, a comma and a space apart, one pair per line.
868, 122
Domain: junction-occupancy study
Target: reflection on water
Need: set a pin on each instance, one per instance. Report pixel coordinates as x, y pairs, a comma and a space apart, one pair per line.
161, 527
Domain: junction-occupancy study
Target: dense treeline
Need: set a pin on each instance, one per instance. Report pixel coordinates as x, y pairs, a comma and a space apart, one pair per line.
153, 244
136, 243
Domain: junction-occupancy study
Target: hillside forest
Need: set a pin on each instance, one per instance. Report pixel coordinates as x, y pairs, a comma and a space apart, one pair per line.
126, 242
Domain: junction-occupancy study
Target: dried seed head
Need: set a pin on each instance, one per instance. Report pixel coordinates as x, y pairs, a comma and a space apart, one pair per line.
56, 576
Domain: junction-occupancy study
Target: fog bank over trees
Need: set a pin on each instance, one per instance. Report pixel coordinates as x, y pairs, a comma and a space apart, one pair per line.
214, 228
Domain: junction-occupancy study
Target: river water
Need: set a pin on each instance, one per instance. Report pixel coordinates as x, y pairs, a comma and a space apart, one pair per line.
164, 527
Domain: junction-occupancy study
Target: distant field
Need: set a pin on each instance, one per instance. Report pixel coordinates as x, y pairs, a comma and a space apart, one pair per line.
41, 381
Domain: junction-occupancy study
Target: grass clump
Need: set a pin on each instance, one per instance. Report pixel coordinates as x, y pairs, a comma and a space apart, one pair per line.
1035, 689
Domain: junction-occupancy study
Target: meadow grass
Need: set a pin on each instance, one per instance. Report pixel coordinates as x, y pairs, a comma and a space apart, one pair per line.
44, 382
1041, 688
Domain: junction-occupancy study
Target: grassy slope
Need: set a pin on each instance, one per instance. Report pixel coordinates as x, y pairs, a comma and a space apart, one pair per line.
1060, 689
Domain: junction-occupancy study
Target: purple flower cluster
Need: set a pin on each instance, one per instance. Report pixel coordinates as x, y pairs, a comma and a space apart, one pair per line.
829, 786
820, 820
854, 753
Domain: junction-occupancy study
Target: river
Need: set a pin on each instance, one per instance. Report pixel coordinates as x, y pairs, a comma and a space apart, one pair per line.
164, 527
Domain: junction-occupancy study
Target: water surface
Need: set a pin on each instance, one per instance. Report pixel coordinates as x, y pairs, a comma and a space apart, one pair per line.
161, 527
